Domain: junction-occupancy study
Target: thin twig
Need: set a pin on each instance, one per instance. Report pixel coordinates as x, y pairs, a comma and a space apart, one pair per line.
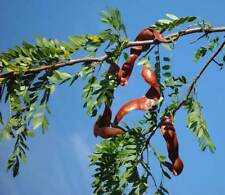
177, 35
147, 141
146, 168
198, 76
200, 37
146, 54
217, 62
196, 30
100, 59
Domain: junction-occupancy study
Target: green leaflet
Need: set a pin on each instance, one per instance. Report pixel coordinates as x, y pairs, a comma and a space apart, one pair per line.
113, 18
197, 125
172, 22
202, 51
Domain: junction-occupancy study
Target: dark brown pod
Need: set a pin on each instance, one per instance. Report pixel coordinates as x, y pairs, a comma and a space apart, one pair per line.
169, 134
102, 125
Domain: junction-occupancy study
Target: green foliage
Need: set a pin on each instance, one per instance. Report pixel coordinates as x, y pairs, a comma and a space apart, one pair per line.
116, 164
28, 56
201, 52
91, 43
173, 83
172, 22
27, 94
197, 125
97, 92
25, 104
120, 166
113, 18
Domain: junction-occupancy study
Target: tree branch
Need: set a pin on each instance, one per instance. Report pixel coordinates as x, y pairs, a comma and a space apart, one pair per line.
171, 38
179, 34
55, 66
198, 76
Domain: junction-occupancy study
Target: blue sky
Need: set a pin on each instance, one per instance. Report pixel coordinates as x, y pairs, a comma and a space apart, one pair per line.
58, 161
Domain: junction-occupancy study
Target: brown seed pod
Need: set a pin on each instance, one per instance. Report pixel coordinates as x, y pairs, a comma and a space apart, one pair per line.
169, 134
146, 102
126, 69
102, 125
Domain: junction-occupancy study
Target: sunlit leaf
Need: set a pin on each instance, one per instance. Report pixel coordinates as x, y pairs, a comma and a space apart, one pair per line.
172, 16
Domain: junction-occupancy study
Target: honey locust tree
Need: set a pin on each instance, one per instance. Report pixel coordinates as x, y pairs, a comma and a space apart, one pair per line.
30, 73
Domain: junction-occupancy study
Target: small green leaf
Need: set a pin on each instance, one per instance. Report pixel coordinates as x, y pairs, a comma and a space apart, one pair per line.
125, 56
78, 41
44, 124
16, 167
93, 39
1, 120
199, 54
167, 74
183, 79
166, 59
144, 61
37, 120
161, 158
165, 21
167, 46
191, 18
91, 48
22, 155
62, 75
166, 67
164, 189
6, 134
74, 78
171, 16
30, 133
166, 174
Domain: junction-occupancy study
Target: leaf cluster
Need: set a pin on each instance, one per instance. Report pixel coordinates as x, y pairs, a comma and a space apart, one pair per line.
172, 22
197, 125
116, 164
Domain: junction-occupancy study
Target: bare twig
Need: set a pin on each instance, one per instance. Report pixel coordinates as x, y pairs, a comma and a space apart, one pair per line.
219, 64
207, 30
146, 54
170, 38
198, 76
200, 37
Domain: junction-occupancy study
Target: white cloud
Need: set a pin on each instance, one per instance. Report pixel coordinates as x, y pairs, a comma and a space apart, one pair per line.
81, 146
82, 149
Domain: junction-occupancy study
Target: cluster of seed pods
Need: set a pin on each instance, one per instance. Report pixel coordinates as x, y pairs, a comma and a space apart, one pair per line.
103, 127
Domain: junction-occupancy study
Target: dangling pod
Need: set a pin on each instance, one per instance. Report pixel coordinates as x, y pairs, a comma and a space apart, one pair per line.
169, 134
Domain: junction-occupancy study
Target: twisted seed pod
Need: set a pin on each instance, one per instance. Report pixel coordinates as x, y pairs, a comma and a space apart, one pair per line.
169, 134
146, 34
143, 103
102, 125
